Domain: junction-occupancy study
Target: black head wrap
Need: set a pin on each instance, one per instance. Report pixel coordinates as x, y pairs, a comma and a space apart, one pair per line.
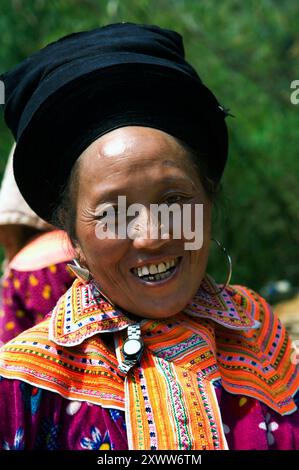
62, 98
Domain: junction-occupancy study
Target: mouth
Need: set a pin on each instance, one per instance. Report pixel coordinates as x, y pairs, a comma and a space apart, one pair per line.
157, 273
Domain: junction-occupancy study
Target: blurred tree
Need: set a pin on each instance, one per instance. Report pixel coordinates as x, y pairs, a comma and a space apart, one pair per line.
247, 52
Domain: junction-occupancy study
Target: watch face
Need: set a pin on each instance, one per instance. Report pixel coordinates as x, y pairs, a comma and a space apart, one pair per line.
132, 347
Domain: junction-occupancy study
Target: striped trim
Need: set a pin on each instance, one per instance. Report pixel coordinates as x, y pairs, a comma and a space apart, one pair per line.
169, 400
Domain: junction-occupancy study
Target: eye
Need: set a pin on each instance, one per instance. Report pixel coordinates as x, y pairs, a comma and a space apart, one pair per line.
106, 213
174, 198
102, 215
111, 215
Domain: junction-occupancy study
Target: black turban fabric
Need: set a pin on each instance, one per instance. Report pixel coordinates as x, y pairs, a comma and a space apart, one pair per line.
62, 98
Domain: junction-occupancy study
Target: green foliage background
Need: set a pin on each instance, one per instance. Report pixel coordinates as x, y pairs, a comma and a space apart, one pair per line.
247, 52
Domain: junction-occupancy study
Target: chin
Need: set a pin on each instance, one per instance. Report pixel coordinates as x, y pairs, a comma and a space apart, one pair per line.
161, 310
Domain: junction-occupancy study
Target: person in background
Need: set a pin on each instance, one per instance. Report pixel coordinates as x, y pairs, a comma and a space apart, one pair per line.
35, 270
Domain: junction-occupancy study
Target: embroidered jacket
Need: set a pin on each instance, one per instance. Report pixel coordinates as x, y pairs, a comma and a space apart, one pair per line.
169, 398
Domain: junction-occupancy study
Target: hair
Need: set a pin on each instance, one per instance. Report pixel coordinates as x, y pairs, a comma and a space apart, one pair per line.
64, 216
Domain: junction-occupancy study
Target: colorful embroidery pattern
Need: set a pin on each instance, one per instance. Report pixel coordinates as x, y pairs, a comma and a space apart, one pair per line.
166, 408
82, 313
175, 400
48, 439
270, 427
31, 397
115, 414
258, 363
96, 441
18, 443
169, 399
88, 372
223, 308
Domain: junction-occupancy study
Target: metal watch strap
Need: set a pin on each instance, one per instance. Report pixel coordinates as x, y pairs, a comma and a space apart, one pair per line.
126, 365
134, 332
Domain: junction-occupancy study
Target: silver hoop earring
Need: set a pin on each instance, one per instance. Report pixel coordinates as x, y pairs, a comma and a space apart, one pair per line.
83, 274
230, 269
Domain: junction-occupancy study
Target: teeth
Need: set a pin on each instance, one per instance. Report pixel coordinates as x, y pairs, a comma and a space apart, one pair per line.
145, 271
155, 271
161, 267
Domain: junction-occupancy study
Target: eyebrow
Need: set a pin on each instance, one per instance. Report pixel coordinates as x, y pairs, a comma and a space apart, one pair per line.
113, 193
174, 178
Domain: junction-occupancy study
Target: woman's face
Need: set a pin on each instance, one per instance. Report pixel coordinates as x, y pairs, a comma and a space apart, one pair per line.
148, 167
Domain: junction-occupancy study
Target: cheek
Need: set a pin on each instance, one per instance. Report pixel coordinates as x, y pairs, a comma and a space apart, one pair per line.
199, 253
100, 254
196, 222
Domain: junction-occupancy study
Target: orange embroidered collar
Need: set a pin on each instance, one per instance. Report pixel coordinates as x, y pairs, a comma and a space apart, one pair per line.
233, 336
82, 312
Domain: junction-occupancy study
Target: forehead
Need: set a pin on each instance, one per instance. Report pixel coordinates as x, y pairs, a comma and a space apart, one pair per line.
132, 148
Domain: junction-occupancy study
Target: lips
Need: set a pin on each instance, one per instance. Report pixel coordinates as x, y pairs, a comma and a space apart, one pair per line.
154, 272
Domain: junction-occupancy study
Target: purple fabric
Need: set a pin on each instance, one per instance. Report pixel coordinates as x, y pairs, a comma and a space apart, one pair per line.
27, 296
250, 425
31, 418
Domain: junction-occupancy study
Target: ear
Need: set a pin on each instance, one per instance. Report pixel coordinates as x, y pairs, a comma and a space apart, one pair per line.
79, 255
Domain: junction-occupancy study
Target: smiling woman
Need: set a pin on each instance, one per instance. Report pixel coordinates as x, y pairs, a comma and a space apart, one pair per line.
131, 162
145, 350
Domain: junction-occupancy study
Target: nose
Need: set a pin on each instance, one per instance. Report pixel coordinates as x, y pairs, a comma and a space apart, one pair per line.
147, 243
145, 232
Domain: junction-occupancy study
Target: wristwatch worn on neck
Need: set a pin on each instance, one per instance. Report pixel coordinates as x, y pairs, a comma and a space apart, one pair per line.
132, 348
